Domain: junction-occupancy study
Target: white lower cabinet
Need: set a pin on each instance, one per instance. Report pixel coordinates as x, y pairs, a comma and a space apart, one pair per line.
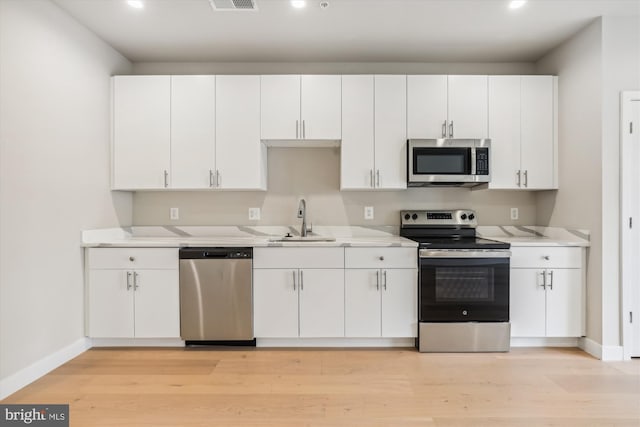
127, 301
548, 301
381, 303
381, 292
291, 303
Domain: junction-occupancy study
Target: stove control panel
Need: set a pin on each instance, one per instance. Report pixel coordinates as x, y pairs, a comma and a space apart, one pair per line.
458, 218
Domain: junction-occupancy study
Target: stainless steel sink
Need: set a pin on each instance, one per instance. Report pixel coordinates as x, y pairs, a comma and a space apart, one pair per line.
302, 239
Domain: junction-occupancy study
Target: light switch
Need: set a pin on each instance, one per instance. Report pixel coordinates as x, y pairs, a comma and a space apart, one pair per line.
174, 214
254, 214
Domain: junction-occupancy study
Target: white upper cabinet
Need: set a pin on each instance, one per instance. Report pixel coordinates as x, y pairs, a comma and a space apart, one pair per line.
468, 105
240, 155
522, 128
193, 110
300, 107
373, 132
141, 132
446, 106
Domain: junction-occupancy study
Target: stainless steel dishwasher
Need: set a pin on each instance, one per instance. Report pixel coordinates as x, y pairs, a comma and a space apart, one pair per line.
216, 297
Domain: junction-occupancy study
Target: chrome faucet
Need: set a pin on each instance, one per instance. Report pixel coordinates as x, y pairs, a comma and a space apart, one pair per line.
302, 213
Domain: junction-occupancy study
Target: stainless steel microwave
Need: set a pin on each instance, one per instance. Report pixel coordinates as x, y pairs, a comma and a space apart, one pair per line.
448, 162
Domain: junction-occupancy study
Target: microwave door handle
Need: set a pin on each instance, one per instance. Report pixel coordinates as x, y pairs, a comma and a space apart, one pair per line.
473, 160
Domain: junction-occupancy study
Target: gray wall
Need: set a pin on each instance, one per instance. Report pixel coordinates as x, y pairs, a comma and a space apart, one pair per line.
315, 173
593, 67
54, 176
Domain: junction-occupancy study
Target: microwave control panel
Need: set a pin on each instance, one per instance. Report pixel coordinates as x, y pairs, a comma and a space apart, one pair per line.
482, 161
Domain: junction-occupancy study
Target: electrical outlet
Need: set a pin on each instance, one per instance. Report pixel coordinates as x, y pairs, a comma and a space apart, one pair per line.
174, 213
254, 214
514, 214
368, 212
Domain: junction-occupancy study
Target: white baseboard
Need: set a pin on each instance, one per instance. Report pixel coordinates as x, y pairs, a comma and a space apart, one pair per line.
26, 376
335, 342
137, 342
544, 342
605, 353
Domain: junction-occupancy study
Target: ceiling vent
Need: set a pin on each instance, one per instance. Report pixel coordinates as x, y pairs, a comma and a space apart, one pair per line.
233, 5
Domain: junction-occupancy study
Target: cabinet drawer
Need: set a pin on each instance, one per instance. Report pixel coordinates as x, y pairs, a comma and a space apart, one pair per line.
381, 257
546, 257
298, 257
140, 258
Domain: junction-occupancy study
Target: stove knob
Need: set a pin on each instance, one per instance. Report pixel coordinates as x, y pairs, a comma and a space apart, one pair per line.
414, 216
407, 216
471, 217
463, 217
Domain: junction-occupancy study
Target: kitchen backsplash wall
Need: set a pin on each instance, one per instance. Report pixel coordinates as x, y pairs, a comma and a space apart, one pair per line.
314, 173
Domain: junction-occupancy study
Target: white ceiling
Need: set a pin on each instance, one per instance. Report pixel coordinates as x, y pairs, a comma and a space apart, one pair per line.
346, 31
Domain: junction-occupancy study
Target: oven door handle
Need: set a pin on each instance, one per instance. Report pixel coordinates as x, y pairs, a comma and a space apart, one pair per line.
431, 253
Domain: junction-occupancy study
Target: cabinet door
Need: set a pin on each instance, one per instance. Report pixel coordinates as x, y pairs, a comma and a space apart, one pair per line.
110, 304
504, 131
399, 303
426, 106
537, 131
141, 135
356, 159
275, 303
362, 303
157, 304
322, 303
193, 129
391, 132
527, 303
240, 155
564, 302
280, 107
468, 104
320, 108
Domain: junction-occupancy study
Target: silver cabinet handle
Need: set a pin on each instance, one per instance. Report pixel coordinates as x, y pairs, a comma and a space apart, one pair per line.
371, 177
381, 258
377, 280
166, 179
451, 129
544, 279
526, 178
546, 257
135, 281
551, 280
294, 279
210, 178
377, 177
304, 130
129, 280
132, 259
301, 281
297, 126
518, 175
384, 276
218, 178
444, 129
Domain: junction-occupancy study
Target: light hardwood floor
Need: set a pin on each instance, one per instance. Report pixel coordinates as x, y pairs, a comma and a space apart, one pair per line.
338, 387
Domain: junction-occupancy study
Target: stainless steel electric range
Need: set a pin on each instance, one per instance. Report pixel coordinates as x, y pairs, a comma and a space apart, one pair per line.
463, 283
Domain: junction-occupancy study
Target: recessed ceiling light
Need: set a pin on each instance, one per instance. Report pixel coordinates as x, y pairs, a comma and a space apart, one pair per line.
298, 4
136, 4
517, 4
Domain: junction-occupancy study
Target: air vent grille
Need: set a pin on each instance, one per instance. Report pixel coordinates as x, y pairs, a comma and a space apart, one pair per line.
229, 5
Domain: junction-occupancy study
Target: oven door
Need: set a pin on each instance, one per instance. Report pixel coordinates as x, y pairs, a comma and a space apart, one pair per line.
464, 286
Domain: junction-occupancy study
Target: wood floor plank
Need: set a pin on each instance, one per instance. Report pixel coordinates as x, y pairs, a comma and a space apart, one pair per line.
340, 387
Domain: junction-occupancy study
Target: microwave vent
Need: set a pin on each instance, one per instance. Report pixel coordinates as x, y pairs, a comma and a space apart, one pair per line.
233, 5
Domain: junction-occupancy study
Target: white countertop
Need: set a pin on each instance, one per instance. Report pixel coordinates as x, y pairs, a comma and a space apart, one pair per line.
536, 235
228, 236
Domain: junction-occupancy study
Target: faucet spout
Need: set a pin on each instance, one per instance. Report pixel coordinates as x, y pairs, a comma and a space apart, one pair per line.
302, 213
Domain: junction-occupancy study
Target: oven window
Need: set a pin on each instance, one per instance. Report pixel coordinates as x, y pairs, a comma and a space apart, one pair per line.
464, 285
442, 161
